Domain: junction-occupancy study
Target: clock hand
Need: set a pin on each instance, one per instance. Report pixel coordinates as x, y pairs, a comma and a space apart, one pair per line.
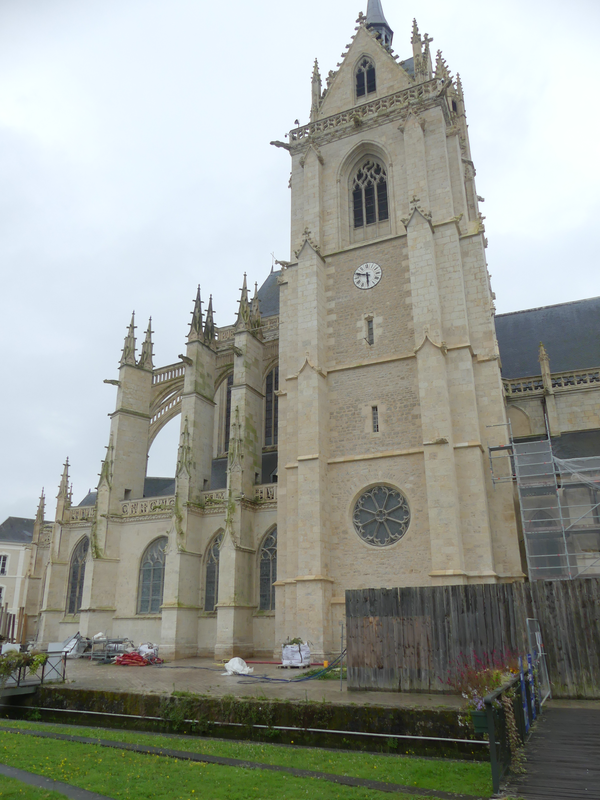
367, 277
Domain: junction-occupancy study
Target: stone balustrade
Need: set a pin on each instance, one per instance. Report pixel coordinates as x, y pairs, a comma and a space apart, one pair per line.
152, 505
412, 94
169, 373
560, 381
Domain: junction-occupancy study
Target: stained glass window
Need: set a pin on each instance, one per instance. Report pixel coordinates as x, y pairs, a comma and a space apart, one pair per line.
268, 572
152, 577
76, 576
271, 407
365, 78
381, 516
228, 411
369, 194
211, 595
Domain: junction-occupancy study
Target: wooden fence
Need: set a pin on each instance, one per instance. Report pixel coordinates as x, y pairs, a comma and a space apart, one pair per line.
411, 639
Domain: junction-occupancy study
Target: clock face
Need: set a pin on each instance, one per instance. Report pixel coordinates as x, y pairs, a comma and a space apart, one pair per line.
367, 276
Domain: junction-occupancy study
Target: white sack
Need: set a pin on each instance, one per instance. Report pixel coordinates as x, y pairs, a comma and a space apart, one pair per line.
237, 666
295, 655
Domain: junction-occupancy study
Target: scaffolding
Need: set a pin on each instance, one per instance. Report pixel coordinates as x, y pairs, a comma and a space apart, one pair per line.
559, 501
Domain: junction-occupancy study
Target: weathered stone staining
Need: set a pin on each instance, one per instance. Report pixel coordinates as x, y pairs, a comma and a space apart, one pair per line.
338, 431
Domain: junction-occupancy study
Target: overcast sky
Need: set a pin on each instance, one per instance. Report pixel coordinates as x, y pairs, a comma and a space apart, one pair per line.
135, 163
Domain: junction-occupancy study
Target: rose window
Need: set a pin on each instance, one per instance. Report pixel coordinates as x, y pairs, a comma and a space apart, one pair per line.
381, 516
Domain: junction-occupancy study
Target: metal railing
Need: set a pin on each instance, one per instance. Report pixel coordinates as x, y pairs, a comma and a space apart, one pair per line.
504, 741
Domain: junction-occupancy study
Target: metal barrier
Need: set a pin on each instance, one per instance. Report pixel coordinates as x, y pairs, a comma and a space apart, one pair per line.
507, 736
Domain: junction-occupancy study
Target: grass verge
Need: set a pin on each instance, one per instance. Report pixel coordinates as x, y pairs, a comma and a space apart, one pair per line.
12, 789
134, 776
464, 777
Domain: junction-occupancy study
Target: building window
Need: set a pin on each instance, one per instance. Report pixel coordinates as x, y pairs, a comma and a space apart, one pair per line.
211, 596
381, 516
369, 194
375, 415
271, 409
228, 411
1, 595
152, 577
76, 576
365, 78
370, 337
3, 562
268, 572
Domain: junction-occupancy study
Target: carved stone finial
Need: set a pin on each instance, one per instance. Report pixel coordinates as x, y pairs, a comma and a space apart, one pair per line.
145, 361
184, 453
41, 509
128, 354
243, 317
63, 489
209, 325
196, 325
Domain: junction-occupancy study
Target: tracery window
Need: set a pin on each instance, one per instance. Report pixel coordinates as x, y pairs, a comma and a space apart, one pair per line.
76, 576
381, 516
369, 194
271, 407
268, 572
365, 77
211, 595
228, 411
152, 577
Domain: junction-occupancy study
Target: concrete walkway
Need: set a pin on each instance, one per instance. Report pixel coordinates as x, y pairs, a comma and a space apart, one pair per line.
203, 676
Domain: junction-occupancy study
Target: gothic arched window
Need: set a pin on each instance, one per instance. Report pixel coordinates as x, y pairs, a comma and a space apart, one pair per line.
76, 576
268, 572
152, 577
211, 595
228, 410
271, 407
369, 194
365, 77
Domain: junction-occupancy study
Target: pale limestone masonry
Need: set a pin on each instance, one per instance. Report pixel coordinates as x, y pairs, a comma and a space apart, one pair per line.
414, 410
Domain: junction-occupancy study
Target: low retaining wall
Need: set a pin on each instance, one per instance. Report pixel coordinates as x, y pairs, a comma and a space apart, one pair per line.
437, 732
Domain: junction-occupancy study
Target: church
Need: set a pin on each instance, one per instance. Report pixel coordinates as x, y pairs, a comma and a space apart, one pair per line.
338, 434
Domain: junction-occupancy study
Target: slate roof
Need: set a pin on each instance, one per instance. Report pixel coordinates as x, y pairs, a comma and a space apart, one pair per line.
409, 66
16, 529
570, 333
153, 487
268, 295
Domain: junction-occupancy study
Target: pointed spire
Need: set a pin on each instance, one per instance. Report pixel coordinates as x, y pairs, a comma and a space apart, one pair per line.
184, 453
195, 334
544, 360
316, 91
145, 361
255, 319
441, 68
128, 354
41, 509
209, 325
63, 489
376, 21
106, 469
243, 317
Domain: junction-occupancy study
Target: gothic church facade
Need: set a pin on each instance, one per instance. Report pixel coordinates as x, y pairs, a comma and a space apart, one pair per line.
336, 435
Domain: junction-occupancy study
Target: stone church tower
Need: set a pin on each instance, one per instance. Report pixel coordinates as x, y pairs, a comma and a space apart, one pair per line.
390, 388
335, 436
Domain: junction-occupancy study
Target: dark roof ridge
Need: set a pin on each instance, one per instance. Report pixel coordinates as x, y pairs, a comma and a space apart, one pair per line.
542, 308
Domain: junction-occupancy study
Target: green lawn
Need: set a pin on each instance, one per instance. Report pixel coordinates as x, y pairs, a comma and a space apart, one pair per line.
93, 763
11, 789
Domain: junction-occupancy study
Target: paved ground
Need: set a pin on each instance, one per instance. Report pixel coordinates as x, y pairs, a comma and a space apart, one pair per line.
40, 782
203, 676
